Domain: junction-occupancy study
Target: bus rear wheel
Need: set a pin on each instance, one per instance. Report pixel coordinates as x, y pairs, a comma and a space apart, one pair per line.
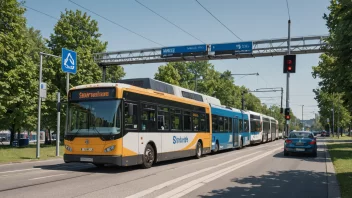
199, 150
216, 147
148, 157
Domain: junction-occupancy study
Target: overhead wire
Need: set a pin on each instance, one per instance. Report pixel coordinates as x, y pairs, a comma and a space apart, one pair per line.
40, 12
288, 10
113, 22
170, 21
218, 20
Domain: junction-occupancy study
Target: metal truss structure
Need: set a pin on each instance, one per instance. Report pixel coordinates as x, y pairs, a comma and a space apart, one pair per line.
261, 48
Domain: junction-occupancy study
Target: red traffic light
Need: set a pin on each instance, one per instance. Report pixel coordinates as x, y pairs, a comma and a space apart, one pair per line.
287, 117
289, 64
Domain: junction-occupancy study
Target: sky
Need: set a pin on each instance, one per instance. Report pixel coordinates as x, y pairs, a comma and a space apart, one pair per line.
248, 19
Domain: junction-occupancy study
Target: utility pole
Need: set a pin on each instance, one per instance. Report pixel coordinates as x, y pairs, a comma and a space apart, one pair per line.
337, 123
40, 96
302, 118
333, 121
288, 75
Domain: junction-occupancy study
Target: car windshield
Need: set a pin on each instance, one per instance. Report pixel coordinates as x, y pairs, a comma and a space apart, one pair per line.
94, 117
301, 135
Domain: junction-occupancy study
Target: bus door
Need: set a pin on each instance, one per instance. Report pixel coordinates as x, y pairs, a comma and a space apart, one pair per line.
235, 131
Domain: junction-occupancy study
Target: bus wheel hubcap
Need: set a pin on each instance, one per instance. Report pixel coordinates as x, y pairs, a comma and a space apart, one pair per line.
149, 156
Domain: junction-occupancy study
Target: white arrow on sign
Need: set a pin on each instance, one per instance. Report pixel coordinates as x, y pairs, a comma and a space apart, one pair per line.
69, 58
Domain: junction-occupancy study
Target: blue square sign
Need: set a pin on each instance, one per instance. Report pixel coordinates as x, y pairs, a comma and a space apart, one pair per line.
69, 61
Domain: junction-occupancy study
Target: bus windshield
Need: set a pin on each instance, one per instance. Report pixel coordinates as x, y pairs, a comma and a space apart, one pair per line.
100, 117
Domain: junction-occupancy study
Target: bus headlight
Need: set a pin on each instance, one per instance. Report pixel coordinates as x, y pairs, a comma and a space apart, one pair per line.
68, 148
110, 148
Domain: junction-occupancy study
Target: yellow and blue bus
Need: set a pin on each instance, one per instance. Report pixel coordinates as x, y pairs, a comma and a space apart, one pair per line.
121, 124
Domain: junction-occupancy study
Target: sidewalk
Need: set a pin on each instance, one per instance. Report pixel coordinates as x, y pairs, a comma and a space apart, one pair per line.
333, 185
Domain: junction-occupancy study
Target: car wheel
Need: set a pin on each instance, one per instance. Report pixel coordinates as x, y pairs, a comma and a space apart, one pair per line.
315, 154
285, 153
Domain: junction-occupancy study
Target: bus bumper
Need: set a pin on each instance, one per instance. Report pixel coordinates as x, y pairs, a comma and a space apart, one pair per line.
96, 159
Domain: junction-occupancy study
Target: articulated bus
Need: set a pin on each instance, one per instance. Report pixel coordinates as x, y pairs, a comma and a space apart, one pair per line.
256, 127
115, 123
225, 134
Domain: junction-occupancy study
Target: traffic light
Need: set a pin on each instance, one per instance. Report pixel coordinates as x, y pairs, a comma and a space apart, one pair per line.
287, 114
290, 64
281, 110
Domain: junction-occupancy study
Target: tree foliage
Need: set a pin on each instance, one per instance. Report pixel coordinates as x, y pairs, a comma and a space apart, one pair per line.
78, 32
18, 77
335, 66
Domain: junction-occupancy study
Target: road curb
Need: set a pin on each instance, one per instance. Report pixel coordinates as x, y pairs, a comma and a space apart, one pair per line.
333, 185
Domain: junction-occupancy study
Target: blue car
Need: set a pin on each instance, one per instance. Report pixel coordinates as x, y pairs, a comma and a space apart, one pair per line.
301, 142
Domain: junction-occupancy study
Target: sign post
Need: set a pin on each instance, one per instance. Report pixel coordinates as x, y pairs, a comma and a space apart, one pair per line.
68, 65
41, 95
58, 126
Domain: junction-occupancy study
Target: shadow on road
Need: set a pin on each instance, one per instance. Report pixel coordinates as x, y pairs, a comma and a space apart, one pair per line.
295, 183
87, 167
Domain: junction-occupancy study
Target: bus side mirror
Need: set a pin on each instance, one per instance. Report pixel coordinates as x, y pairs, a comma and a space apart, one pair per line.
130, 109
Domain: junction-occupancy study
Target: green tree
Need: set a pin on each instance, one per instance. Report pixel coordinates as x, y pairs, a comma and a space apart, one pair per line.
78, 32
327, 102
169, 74
18, 84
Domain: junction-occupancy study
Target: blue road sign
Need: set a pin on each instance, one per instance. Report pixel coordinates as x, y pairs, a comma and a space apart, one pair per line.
239, 47
191, 50
69, 61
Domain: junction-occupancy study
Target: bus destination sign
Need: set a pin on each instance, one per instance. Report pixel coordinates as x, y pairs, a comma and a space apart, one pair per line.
96, 93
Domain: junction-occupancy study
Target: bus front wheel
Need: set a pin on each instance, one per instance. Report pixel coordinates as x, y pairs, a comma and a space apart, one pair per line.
148, 156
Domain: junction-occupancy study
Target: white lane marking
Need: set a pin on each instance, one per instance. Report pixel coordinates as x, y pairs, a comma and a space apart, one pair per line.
14, 171
223, 156
19, 163
197, 183
48, 176
160, 186
59, 167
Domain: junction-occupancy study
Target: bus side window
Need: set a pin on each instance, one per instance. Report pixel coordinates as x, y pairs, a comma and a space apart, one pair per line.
187, 121
246, 125
195, 121
226, 124
148, 117
241, 125
163, 118
131, 119
203, 124
215, 123
221, 123
176, 119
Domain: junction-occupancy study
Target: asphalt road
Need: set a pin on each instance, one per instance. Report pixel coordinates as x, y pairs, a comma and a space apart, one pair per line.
256, 171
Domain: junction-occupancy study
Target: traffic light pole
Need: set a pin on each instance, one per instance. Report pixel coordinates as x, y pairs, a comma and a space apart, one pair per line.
288, 75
